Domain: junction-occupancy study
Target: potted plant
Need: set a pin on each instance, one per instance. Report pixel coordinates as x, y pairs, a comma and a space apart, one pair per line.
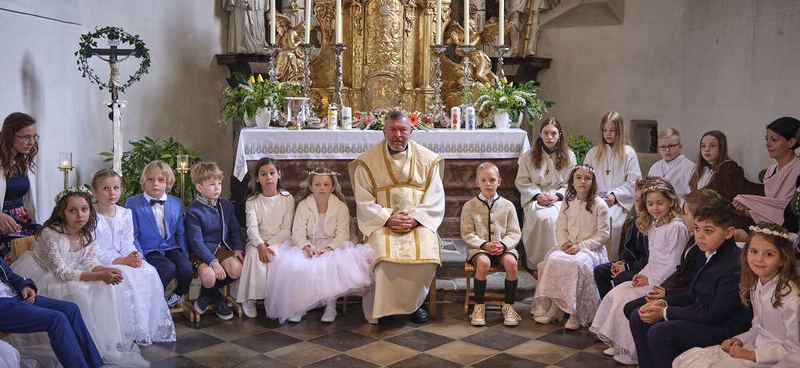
254, 99
579, 145
504, 102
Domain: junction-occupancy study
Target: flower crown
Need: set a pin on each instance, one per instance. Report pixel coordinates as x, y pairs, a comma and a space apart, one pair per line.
584, 166
71, 190
761, 230
318, 171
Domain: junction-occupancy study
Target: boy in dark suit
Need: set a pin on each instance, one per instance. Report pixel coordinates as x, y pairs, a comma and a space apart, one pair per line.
158, 229
710, 311
214, 239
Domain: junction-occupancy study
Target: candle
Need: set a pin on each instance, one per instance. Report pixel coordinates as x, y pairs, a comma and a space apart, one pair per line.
183, 162
308, 21
272, 21
466, 22
65, 160
438, 22
338, 21
501, 37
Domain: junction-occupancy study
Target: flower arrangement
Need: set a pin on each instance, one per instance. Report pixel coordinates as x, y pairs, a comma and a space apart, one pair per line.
252, 94
374, 120
505, 96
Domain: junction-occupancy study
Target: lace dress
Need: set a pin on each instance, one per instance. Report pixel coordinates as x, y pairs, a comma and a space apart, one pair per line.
17, 185
143, 313
56, 264
9, 357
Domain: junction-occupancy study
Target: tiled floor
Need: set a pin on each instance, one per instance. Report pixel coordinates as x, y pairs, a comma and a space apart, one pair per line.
447, 341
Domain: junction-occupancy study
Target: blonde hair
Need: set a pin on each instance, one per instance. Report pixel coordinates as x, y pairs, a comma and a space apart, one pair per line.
620, 138
164, 167
658, 185
102, 174
206, 170
487, 166
320, 171
670, 133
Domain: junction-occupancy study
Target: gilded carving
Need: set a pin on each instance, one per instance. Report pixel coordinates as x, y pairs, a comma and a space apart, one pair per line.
383, 32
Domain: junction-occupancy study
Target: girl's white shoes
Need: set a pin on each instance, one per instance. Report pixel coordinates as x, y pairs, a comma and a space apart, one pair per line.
572, 323
555, 314
249, 308
330, 311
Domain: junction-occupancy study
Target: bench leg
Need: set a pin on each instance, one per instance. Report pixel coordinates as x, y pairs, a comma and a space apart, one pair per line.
467, 290
432, 298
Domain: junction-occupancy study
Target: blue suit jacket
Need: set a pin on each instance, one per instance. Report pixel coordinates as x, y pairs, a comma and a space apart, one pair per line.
8, 277
205, 230
146, 236
713, 297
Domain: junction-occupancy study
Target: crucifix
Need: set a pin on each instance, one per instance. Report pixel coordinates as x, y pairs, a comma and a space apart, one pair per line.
115, 56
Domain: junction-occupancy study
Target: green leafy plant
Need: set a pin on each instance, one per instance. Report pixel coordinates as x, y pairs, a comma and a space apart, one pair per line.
146, 150
253, 93
504, 96
579, 145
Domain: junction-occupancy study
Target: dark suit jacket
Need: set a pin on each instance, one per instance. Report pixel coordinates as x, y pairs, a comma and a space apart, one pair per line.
713, 297
634, 250
209, 227
693, 258
8, 277
146, 236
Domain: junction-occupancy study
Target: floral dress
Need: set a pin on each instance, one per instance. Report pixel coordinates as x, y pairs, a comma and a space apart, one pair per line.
17, 186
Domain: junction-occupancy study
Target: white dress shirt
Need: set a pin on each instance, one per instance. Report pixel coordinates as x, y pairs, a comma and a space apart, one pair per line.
158, 213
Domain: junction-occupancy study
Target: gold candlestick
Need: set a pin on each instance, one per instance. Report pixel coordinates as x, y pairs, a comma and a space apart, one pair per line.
183, 168
65, 166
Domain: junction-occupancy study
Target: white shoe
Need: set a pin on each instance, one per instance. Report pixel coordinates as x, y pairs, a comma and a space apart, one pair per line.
624, 359
330, 312
572, 323
549, 317
249, 308
478, 316
610, 352
296, 318
510, 316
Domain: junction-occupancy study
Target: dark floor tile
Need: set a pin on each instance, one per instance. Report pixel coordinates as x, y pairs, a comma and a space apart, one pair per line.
425, 361
266, 341
584, 359
176, 362
189, 342
262, 320
339, 361
343, 340
258, 362
495, 339
419, 340
575, 339
206, 320
507, 361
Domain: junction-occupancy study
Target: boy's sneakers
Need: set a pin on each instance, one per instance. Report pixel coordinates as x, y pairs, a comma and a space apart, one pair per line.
201, 304
249, 308
223, 310
478, 316
173, 300
510, 316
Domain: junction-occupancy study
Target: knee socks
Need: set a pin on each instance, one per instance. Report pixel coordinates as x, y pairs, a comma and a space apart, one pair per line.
511, 291
480, 291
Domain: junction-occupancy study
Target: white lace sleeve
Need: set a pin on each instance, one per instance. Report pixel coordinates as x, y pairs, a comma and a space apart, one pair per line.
90, 260
48, 252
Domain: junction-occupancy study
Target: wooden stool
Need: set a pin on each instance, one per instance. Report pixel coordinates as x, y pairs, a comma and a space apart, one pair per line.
496, 299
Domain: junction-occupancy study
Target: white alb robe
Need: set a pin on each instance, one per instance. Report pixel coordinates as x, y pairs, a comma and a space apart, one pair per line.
539, 224
618, 177
678, 172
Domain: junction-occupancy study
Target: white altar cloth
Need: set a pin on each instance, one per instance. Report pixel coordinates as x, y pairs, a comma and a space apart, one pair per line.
324, 144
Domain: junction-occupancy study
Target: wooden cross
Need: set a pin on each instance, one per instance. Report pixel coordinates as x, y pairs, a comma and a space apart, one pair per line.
114, 53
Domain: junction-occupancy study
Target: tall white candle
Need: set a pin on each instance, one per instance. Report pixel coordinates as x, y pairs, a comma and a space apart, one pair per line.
308, 21
338, 21
466, 22
501, 38
438, 22
272, 21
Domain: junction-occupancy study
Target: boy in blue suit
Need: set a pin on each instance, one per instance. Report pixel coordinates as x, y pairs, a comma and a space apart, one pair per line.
22, 311
158, 229
214, 239
710, 311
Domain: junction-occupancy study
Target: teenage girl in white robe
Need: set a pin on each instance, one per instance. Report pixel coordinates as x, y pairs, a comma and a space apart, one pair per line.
617, 169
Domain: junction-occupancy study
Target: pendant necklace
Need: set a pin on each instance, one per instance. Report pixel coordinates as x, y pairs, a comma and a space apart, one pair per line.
608, 162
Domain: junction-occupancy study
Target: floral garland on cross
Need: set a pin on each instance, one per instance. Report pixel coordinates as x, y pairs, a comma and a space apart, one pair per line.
88, 42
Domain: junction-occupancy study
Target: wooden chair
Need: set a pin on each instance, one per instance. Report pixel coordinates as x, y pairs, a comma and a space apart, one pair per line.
496, 299
185, 307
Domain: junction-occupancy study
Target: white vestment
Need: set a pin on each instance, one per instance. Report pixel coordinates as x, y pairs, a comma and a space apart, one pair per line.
539, 224
617, 176
678, 172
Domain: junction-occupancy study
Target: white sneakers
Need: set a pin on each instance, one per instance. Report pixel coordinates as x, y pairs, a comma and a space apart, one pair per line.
478, 316
330, 311
510, 317
249, 308
554, 315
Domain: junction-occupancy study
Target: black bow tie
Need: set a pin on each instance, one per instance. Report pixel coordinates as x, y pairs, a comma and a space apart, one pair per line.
154, 201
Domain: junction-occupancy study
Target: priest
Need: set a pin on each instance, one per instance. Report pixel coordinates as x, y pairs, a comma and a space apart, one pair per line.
399, 204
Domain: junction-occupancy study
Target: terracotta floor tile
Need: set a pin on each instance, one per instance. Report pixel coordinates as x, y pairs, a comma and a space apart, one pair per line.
541, 351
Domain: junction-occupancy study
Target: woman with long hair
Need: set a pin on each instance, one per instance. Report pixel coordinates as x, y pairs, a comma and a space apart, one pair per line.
18, 148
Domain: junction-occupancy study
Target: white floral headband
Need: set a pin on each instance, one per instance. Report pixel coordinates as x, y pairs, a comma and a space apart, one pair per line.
316, 172
584, 166
788, 236
74, 189
655, 187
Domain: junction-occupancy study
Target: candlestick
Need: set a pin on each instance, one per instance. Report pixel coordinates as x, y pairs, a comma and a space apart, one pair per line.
437, 109
501, 37
438, 22
272, 52
466, 22
466, 82
272, 21
501, 50
65, 166
338, 21
309, 53
338, 48
183, 168
308, 22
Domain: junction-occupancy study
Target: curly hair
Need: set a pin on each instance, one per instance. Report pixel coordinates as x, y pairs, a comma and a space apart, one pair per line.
657, 185
787, 272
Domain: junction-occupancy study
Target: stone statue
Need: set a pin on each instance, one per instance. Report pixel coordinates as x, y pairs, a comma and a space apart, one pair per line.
247, 32
289, 65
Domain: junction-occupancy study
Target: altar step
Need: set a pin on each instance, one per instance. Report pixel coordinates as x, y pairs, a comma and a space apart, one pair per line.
451, 283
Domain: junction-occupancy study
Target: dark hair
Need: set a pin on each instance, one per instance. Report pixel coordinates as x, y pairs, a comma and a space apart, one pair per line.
787, 127
717, 210
701, 162
572, 193
264, 161
16, 162
786, 272
698, 197
561, 151
56, 220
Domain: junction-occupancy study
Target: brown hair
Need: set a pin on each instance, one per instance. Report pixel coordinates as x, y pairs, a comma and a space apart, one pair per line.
572, 193
656, 185
264, 161
620, 140
56, 220
16, 162
701, 162
164, 167
206, 170
787, 272
561, 152
320, 171
718, 210
696, 198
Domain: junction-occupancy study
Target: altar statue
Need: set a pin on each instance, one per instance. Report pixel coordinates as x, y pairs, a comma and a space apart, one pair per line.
480, 64
289, 65
247, 33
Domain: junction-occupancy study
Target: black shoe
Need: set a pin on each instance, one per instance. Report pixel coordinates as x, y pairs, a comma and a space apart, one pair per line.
385, 320
419, 316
